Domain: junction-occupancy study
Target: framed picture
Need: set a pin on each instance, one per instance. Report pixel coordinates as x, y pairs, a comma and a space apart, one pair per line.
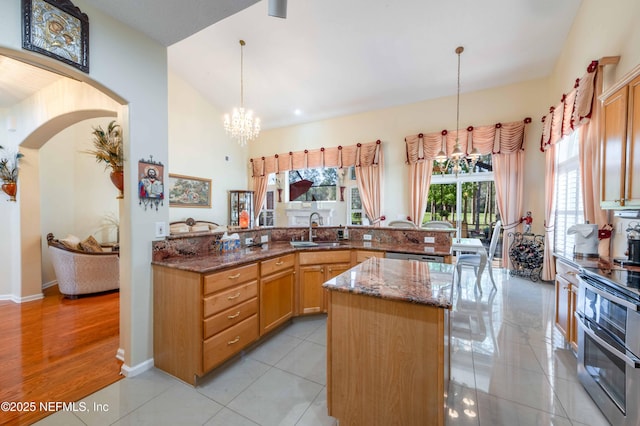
150, 183
58, 29
189, 191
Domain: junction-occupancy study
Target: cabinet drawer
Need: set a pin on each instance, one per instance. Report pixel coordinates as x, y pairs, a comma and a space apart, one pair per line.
230, 297
318, 257
566, 271
362, 255
230, 317
223, 345
270, 266
221, 280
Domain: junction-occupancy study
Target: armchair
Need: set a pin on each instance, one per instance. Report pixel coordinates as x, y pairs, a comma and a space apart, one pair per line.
81, 272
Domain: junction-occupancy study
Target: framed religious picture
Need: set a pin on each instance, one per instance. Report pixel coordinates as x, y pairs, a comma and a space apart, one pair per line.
150, 183
189, 191
57, 29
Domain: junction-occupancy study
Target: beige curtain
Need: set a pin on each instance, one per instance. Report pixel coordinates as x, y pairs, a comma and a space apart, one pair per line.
590, 167
259, 195
420, 179
369, 179
548, 265
421, 149
366, 157
509, 180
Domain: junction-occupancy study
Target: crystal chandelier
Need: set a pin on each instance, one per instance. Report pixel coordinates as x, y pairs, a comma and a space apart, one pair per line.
458, 157
241, 125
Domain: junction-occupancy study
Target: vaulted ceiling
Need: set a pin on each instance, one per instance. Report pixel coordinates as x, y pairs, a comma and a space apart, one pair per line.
333, 57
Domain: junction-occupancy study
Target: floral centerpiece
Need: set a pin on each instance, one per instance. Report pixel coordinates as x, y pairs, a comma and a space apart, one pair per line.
9, 174
108, 149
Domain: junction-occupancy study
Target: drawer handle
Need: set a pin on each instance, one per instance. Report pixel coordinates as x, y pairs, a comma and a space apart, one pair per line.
234, 341
280, 263
572, 273
234, 297
322, 270
233, 277
236, 315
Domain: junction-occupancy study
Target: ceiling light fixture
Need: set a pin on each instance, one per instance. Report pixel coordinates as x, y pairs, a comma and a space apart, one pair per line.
458, 157
242, 125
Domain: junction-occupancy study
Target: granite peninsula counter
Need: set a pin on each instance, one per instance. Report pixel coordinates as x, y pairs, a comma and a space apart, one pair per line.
388, 342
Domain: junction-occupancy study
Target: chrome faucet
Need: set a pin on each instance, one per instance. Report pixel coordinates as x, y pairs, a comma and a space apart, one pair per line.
311, 224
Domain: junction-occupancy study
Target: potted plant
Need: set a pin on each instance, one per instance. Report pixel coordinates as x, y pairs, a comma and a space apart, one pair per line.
9, 174
108, 149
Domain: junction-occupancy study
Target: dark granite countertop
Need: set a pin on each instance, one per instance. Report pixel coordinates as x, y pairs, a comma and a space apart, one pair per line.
216, 261
411, 281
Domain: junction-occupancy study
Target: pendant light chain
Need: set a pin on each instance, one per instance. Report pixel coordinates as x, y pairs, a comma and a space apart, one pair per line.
459, 51
458, 157
242, 43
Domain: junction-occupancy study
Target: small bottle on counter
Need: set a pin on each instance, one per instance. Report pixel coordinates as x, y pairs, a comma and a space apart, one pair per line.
346, 233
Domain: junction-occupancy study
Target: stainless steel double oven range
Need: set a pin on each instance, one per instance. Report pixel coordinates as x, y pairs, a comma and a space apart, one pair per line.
608, 315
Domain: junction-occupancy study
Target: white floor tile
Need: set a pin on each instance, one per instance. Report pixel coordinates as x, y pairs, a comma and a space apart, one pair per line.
509, 366
180, 404
308, 360
274, 349
226, 383
226, 417
277, 398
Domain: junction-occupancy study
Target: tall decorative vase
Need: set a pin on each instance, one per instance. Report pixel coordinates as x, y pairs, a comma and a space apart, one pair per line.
10, 188
117, 178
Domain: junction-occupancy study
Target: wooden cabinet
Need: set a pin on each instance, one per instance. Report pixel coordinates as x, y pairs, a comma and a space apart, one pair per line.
276, 291
387, 361
566, 301
620, 144
315, 269
360, 256
202, 320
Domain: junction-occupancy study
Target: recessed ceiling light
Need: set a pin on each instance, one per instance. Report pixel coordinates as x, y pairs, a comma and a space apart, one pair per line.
297, 111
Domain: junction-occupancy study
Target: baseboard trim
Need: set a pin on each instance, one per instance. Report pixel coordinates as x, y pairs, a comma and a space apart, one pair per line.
49, 284
16, 299
120, 354
133, 371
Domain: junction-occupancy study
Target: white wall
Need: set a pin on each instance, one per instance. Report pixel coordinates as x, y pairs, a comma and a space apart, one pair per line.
133, 70
601, 29
77, 195
199, 146
392, 125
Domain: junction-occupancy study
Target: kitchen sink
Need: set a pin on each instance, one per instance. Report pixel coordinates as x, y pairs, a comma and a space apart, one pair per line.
316, 243
303, 244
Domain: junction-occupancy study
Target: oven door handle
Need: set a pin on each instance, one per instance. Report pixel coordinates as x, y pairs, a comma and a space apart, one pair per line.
632, 361
610, 296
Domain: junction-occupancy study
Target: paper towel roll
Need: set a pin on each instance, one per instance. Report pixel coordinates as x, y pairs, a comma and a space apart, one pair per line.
586, 238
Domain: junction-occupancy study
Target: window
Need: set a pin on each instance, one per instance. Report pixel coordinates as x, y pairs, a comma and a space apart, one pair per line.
356, 213
313, 184
473, 195
267, 214
568, 207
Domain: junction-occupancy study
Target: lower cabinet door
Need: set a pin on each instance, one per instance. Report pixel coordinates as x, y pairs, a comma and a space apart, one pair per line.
311, 291
276, 300
227, 343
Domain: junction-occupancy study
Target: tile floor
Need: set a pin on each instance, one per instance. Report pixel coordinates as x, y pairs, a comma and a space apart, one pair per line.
509, 367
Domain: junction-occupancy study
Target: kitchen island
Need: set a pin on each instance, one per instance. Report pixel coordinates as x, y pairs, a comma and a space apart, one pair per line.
388, 343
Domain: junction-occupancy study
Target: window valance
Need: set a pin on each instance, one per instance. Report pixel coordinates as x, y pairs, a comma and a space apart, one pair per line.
500, 138
573, 110
359, 155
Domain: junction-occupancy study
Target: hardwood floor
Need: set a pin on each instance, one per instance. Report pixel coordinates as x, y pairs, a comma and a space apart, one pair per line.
56, 350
